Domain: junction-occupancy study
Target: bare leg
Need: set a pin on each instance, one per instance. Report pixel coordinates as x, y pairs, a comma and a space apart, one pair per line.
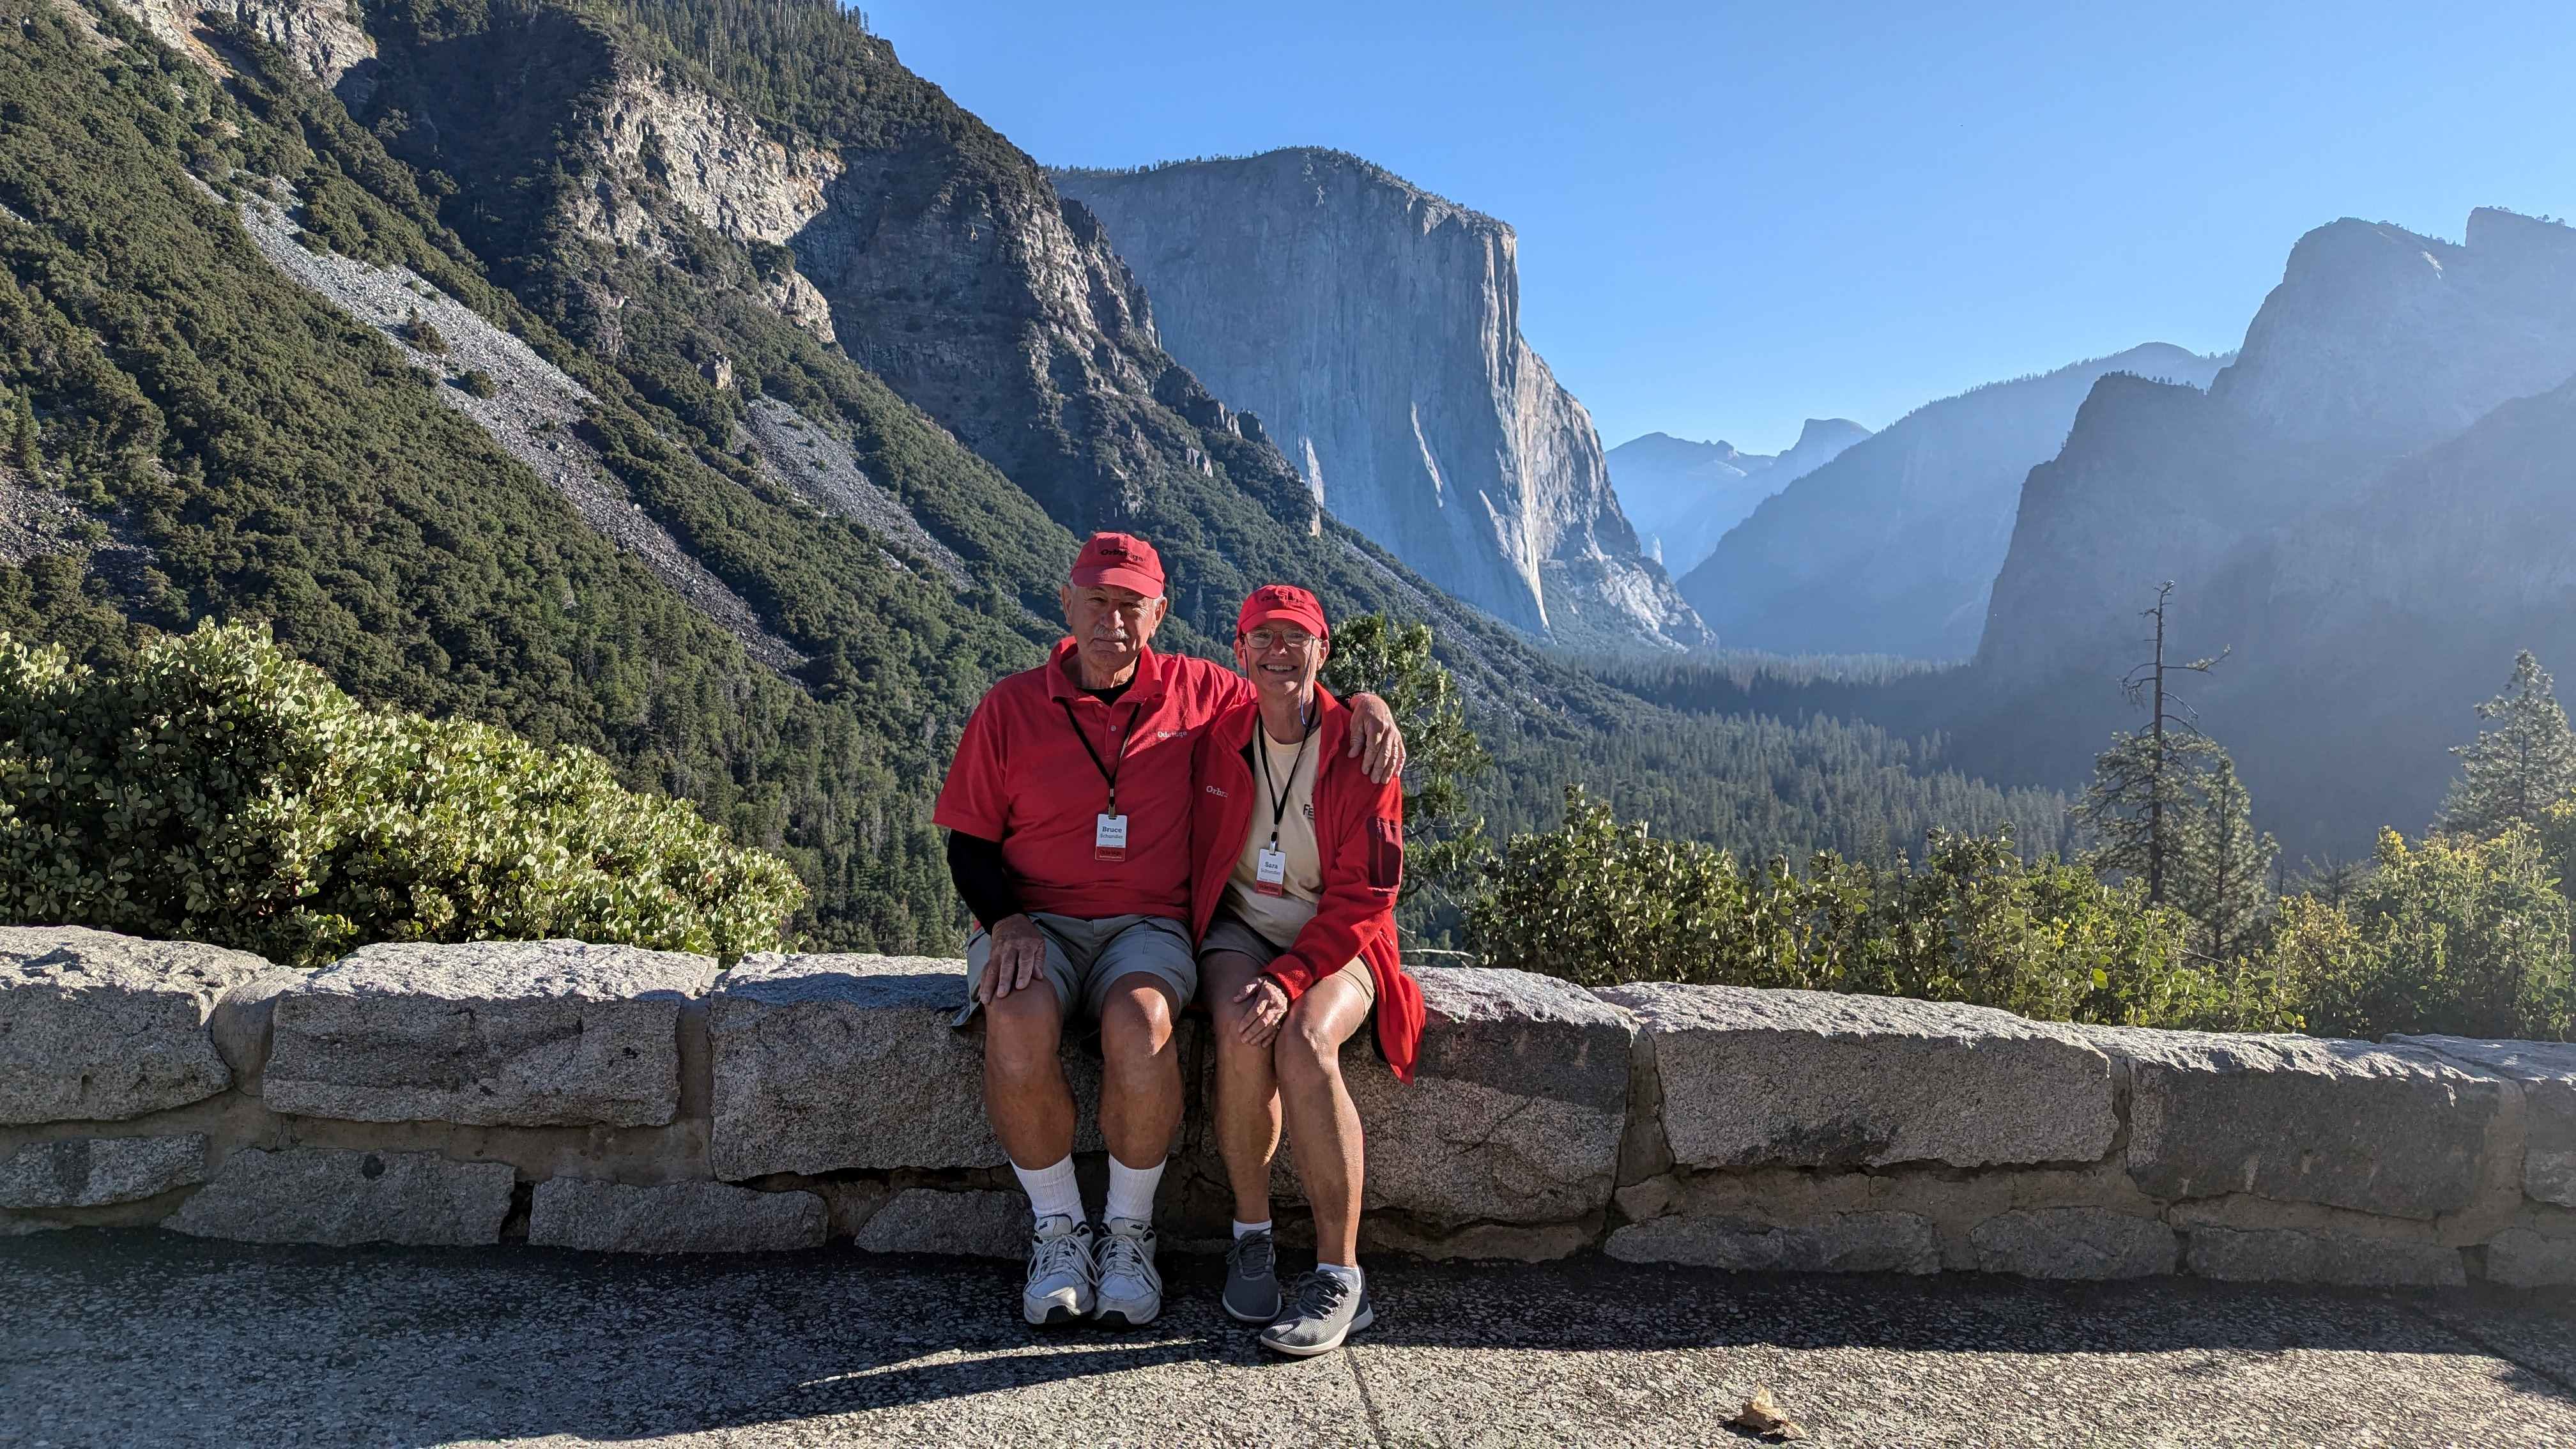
1140, 1071
1247, 1090
1321, 1120
1025, 1096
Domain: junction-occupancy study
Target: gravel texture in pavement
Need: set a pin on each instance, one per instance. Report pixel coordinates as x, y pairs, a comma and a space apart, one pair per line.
140, 1338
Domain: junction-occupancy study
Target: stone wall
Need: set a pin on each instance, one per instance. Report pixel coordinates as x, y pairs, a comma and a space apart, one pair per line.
617, 1099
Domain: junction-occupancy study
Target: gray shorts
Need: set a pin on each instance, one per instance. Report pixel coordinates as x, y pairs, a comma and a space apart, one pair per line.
1084, 958
1229, 933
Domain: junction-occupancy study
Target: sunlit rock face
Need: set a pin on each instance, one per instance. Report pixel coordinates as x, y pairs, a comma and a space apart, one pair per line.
1375, 329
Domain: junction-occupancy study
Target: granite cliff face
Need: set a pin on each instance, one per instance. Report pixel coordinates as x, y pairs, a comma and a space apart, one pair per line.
1891, 547
1683, 496
1374, 329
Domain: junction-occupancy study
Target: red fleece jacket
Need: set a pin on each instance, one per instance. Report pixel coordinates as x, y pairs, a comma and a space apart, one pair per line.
1359, 827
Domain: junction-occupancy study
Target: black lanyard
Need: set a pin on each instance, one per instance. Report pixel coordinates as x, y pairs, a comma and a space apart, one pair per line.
1107, 774
1279, 800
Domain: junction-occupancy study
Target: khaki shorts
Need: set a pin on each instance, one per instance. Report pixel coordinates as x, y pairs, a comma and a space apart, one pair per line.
1228, 933
1085, 958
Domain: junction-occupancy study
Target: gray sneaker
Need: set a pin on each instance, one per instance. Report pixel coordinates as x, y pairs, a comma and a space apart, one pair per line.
1131, 1292
1059, 1288
1323, 1311
1252, 1279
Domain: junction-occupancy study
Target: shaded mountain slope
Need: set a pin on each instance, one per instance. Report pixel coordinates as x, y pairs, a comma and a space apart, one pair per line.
2368, 508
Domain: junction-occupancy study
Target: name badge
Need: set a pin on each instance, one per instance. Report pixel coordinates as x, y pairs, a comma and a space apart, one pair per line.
1270, 873
1109, 837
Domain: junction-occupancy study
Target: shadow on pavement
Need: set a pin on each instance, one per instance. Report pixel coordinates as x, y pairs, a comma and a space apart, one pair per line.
106, 1330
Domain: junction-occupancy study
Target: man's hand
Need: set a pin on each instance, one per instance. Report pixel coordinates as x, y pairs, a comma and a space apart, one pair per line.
1269, 1008
1015, 959
1373, 731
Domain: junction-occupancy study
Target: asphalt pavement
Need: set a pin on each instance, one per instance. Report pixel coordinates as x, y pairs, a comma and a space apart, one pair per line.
135, 1337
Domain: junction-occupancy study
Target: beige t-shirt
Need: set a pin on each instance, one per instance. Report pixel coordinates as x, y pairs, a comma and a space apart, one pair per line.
1279, 918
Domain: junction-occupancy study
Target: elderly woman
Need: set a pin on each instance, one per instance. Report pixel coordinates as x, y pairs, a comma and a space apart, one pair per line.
1298, 859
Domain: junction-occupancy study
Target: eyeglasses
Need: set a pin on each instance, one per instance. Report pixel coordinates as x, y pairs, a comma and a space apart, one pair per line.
1263, 640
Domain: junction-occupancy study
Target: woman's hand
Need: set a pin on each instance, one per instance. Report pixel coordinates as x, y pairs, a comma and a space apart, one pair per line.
1269, 1008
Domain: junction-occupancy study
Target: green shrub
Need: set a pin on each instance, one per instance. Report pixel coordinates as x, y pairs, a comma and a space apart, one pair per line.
1598, 901
422, 333
222, 791
479, 383
2457, 934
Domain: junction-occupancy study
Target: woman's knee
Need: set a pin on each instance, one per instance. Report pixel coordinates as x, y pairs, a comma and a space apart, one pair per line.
1308, 1049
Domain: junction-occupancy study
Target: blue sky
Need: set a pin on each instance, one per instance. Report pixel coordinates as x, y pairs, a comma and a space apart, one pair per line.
1733, 217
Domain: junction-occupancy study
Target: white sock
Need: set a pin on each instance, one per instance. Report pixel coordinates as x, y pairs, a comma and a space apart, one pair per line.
1241, 1229
1131, 1191
1347, 1272
1052, 1190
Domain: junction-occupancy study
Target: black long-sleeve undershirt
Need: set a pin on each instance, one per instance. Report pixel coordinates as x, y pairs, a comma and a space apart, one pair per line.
983, 882
975, 864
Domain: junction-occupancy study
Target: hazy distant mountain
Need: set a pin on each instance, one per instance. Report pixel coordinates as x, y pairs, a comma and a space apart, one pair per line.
1683, 496
2371, 508
1375, 330
2376, 343
1891, 547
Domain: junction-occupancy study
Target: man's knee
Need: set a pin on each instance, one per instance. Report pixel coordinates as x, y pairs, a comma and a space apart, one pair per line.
1135, 1020
1022, 1031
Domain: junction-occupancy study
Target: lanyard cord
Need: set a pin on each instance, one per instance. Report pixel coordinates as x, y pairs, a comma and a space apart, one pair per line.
1106, 774
1279, 800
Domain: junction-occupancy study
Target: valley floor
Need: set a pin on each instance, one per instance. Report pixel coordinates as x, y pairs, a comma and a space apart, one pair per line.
137, 1338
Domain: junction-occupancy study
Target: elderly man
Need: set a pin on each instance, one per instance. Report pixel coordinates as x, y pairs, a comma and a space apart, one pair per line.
1068, 809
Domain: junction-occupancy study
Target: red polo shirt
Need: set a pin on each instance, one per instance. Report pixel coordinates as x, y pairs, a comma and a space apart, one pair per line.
1022, 777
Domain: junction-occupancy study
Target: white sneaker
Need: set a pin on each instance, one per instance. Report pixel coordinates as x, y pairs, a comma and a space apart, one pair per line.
1060, 1274
1131, 1292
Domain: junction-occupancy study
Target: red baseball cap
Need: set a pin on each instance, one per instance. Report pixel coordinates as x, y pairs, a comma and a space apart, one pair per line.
1121, 561
1281, 601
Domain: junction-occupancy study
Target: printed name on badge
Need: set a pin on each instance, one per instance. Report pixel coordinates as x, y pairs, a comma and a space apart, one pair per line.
1109, 837
1270, 873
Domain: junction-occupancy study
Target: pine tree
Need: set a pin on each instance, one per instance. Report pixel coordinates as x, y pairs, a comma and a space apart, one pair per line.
2516, 771
2225, 861
2335, 882
2147, 794
1443, 835
2147, 785
24, 433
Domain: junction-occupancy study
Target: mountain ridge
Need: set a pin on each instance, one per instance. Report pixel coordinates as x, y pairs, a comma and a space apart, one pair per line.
1893, 545
1682, 496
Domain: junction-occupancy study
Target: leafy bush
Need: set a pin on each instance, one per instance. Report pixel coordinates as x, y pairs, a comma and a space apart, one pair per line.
222, 791
2457, 934
422, 333
479, 383
1598, 901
